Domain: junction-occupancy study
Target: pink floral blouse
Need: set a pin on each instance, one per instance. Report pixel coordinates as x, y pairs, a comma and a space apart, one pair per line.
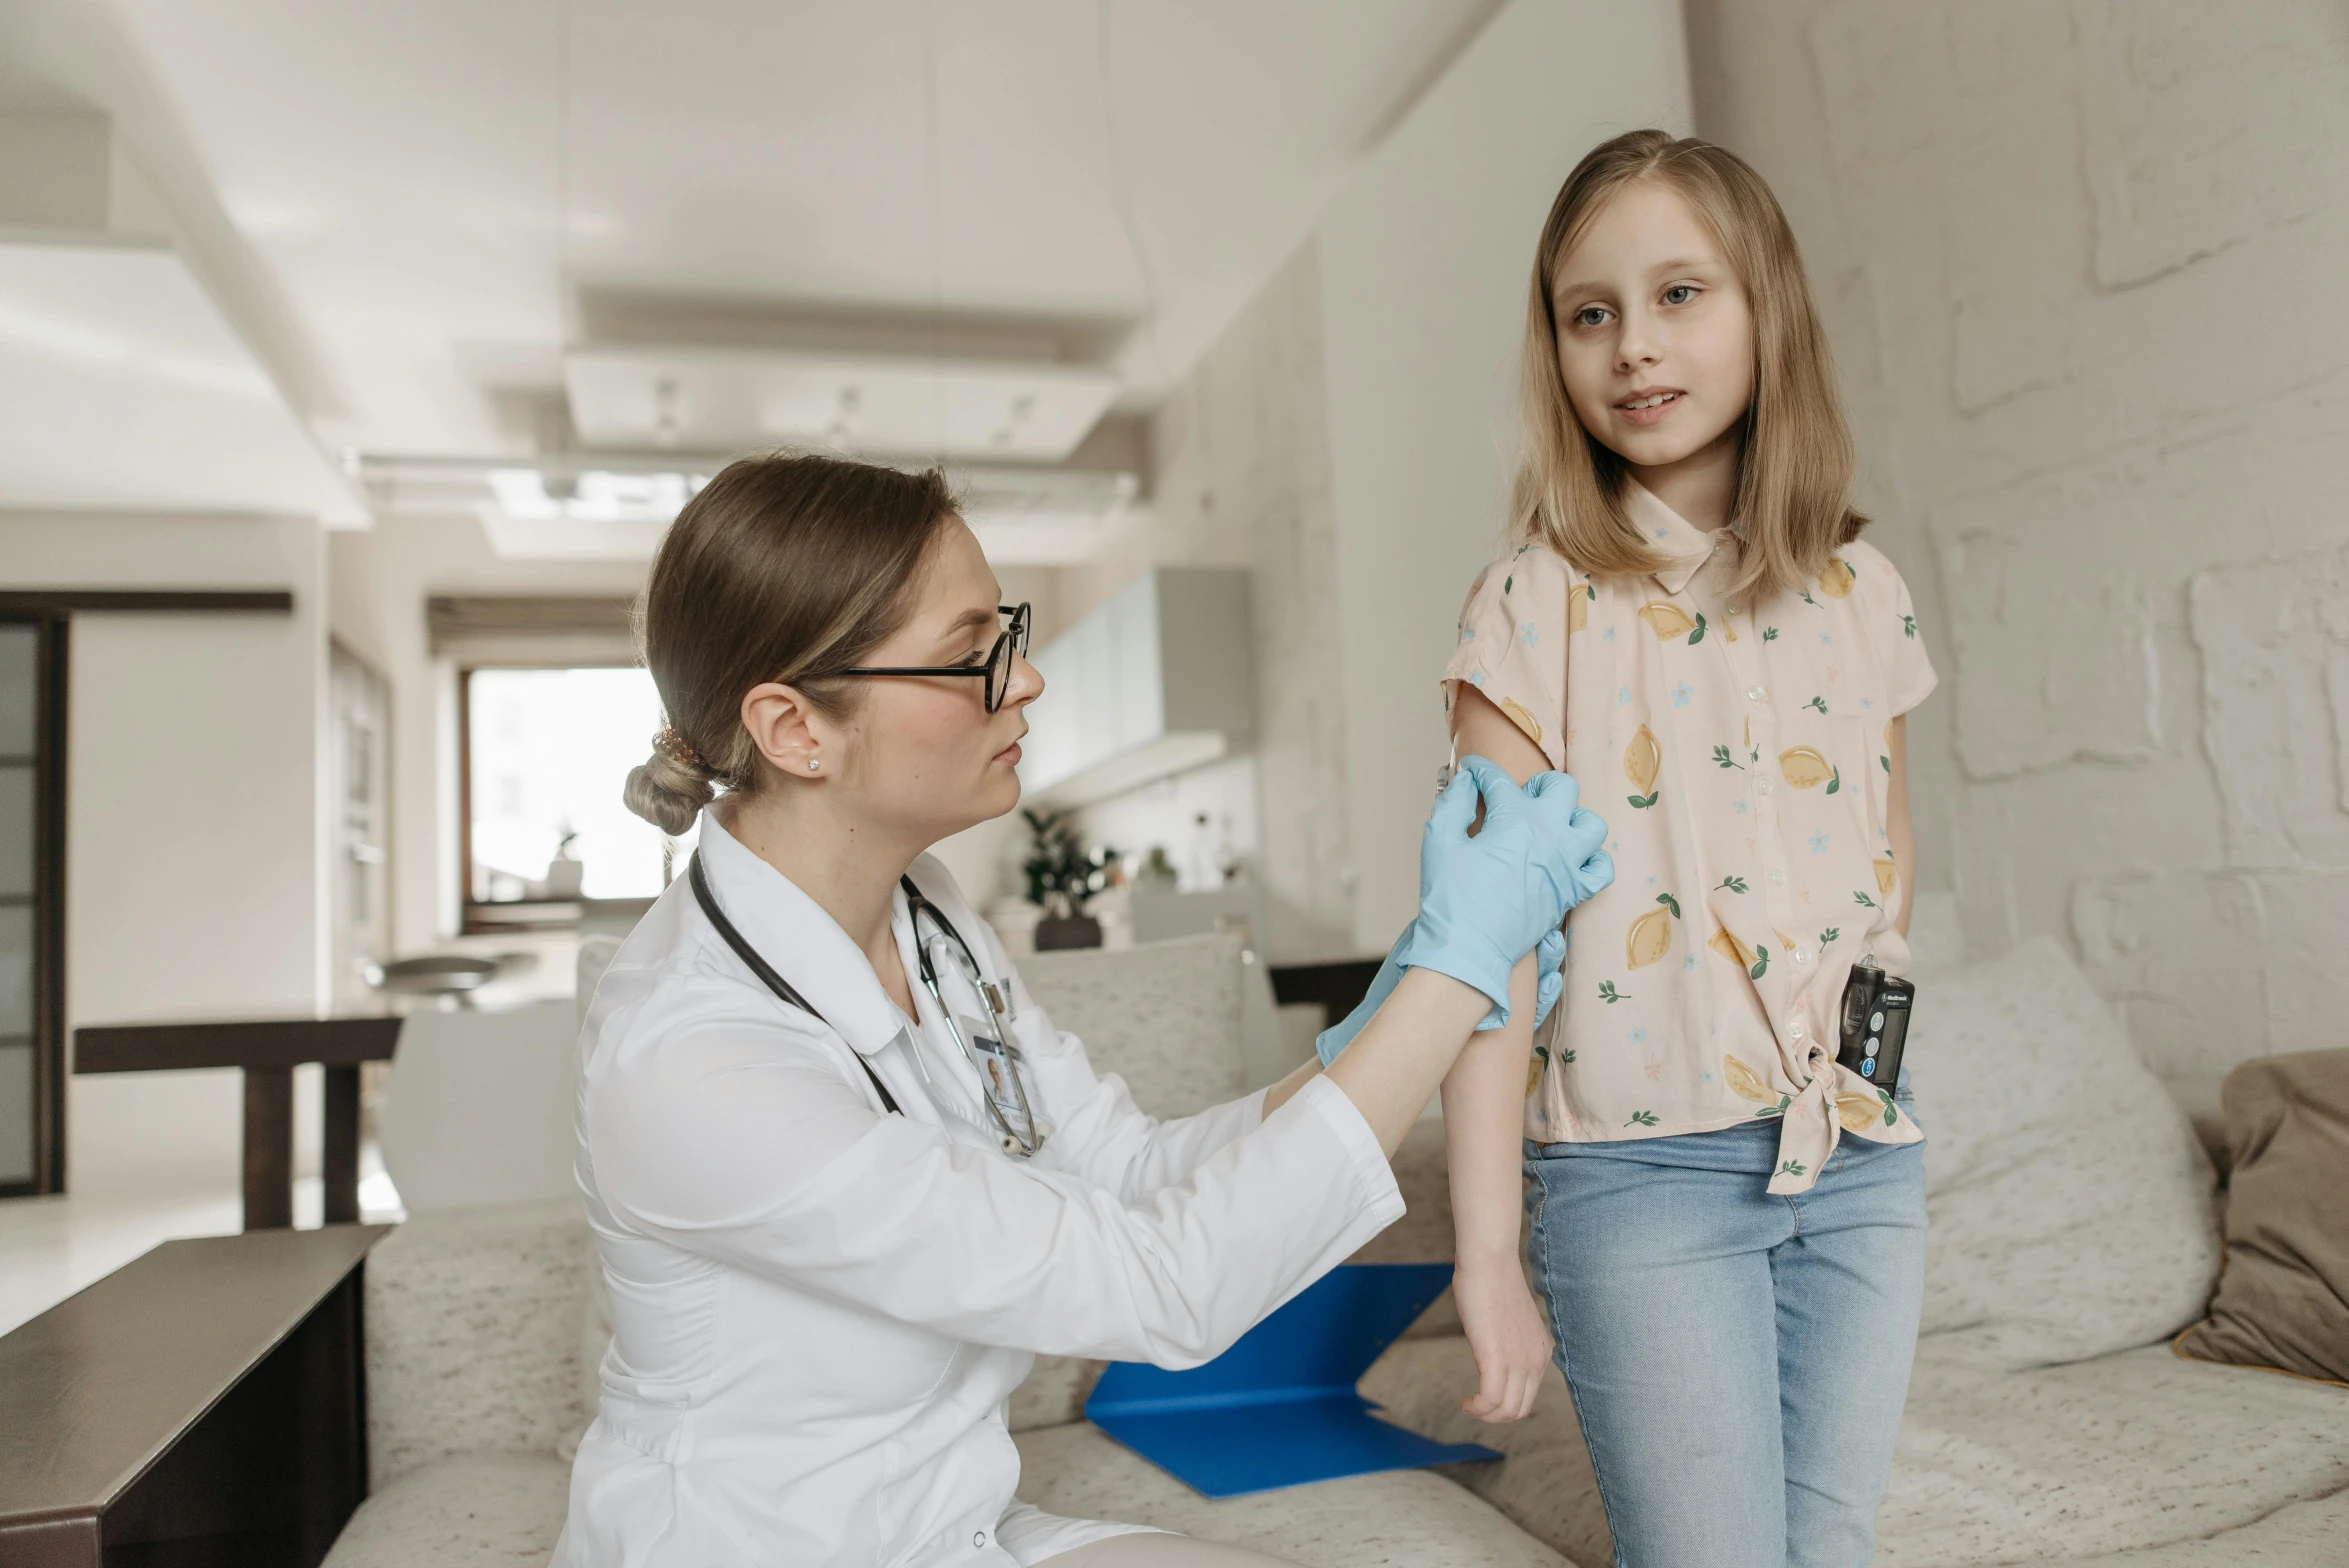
1742, 760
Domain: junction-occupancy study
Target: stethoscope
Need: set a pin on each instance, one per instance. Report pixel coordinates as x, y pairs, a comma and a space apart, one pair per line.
1003, 1087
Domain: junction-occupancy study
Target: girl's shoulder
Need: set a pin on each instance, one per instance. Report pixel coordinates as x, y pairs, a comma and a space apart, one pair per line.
1872, 571
1520, 566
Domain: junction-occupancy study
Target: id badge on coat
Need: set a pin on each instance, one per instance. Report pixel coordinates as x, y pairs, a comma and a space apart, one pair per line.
997, 1078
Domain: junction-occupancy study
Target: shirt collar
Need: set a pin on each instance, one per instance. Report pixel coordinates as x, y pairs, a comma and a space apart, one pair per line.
1684, 545
805, 945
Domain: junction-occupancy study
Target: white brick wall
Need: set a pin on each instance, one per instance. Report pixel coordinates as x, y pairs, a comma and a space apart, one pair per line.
2082, 264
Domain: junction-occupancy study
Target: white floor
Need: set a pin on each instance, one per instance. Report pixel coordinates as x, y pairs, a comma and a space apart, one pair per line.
53, 1247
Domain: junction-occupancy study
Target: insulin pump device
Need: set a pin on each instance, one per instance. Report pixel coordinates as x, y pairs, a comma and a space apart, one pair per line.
1875, 1022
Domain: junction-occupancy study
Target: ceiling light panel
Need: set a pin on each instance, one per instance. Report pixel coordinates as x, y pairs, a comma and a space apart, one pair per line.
733, 401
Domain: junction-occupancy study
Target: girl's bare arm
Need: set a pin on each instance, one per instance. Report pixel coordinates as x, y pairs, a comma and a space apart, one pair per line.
1484, 1114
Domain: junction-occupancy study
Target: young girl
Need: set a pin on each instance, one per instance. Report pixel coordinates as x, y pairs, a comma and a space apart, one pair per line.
1728, 1228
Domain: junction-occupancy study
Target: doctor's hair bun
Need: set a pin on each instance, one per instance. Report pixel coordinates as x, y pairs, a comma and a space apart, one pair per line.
786, 569
667, 792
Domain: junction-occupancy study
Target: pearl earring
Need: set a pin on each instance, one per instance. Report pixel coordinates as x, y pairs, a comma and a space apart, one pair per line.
812, 764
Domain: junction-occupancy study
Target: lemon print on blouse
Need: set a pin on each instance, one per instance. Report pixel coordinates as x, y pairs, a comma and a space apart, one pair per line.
1886, 874
1728, 946
1859, 1112
1650, 936
1533, 1071
1668, 620
1835, 582
1522, 719
1804, 768
1744, 1082
1578, 598
1642, 759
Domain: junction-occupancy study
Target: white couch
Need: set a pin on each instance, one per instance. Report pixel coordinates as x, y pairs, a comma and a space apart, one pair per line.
2047, 1420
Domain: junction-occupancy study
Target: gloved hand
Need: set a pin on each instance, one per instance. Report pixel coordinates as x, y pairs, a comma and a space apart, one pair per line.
1485, 901
1549, 957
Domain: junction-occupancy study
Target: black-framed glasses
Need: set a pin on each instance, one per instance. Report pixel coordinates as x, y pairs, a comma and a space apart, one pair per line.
997, 669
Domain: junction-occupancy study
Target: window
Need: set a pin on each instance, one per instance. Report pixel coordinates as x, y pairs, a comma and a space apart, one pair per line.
546, 754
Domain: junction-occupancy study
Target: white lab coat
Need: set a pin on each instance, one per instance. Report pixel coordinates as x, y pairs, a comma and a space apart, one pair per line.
819, 1310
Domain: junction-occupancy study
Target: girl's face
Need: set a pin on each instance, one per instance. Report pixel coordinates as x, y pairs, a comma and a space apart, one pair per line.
921, 754
1655, 336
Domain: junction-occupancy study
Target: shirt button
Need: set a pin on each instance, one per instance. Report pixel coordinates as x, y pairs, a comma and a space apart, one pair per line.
1762, 785
1802, 955
978, 1538
1794, 1029
1778, 879
1757, 694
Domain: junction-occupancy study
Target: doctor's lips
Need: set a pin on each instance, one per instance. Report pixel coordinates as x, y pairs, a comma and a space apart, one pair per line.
1010, 755
1649, 404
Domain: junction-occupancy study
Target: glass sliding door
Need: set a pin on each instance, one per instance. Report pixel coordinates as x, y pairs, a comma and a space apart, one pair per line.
32, 669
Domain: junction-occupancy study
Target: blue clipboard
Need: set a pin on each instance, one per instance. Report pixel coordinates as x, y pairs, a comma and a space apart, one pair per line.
1279, 1408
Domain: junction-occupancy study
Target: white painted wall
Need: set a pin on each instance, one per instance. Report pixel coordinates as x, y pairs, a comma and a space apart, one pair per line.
2081, 263
195, 868
1349, 439
1424, 259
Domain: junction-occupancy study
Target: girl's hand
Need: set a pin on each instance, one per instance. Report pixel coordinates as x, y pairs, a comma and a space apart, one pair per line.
1507, 1335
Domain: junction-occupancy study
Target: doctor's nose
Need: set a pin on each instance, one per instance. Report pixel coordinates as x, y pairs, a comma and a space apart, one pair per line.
1024, 684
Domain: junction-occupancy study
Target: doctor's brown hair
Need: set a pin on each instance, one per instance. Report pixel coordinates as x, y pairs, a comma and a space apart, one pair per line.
1792, 507
783, 568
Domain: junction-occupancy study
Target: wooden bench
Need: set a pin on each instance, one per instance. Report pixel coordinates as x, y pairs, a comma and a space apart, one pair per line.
205, 1404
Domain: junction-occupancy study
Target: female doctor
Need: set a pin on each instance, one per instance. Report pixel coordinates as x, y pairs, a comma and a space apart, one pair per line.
846, 1179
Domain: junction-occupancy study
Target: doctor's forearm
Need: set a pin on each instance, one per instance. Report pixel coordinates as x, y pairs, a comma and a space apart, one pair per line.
1401, 1056
1286, 1090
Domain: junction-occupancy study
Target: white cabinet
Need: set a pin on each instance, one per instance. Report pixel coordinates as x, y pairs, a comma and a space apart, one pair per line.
1155, 681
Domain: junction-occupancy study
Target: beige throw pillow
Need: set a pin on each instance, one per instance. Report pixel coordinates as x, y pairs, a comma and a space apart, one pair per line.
2283, 1296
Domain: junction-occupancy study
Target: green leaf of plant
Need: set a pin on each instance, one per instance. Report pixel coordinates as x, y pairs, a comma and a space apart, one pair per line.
1887, 761
1769, 634
1761, 960
1836, 782
1642, 802
1698, 635
1669, 902
1862, 898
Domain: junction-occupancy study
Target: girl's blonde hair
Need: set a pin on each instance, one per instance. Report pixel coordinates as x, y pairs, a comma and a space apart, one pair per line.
1794, 476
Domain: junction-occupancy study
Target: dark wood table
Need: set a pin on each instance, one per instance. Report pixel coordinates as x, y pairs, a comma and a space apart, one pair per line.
1336, 987
204, 1405
268, 1049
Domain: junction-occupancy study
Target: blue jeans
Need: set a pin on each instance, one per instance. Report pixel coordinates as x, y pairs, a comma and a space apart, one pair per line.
1738, 1360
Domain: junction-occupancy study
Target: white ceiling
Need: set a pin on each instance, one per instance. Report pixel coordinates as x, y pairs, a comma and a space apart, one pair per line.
123, 386
435, 186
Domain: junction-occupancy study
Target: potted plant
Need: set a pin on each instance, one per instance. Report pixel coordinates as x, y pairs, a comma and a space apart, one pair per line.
1062, 875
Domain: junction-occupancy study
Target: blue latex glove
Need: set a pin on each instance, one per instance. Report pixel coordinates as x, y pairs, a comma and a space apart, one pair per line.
1549, 958
1486, 901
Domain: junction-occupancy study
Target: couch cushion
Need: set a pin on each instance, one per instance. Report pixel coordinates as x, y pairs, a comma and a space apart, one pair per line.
473, 1334
483, 1511
1164, 1016
2071, 1205
2127, 1451
2283, 1300
2303, 1535
2130, 1450
1401, 1517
